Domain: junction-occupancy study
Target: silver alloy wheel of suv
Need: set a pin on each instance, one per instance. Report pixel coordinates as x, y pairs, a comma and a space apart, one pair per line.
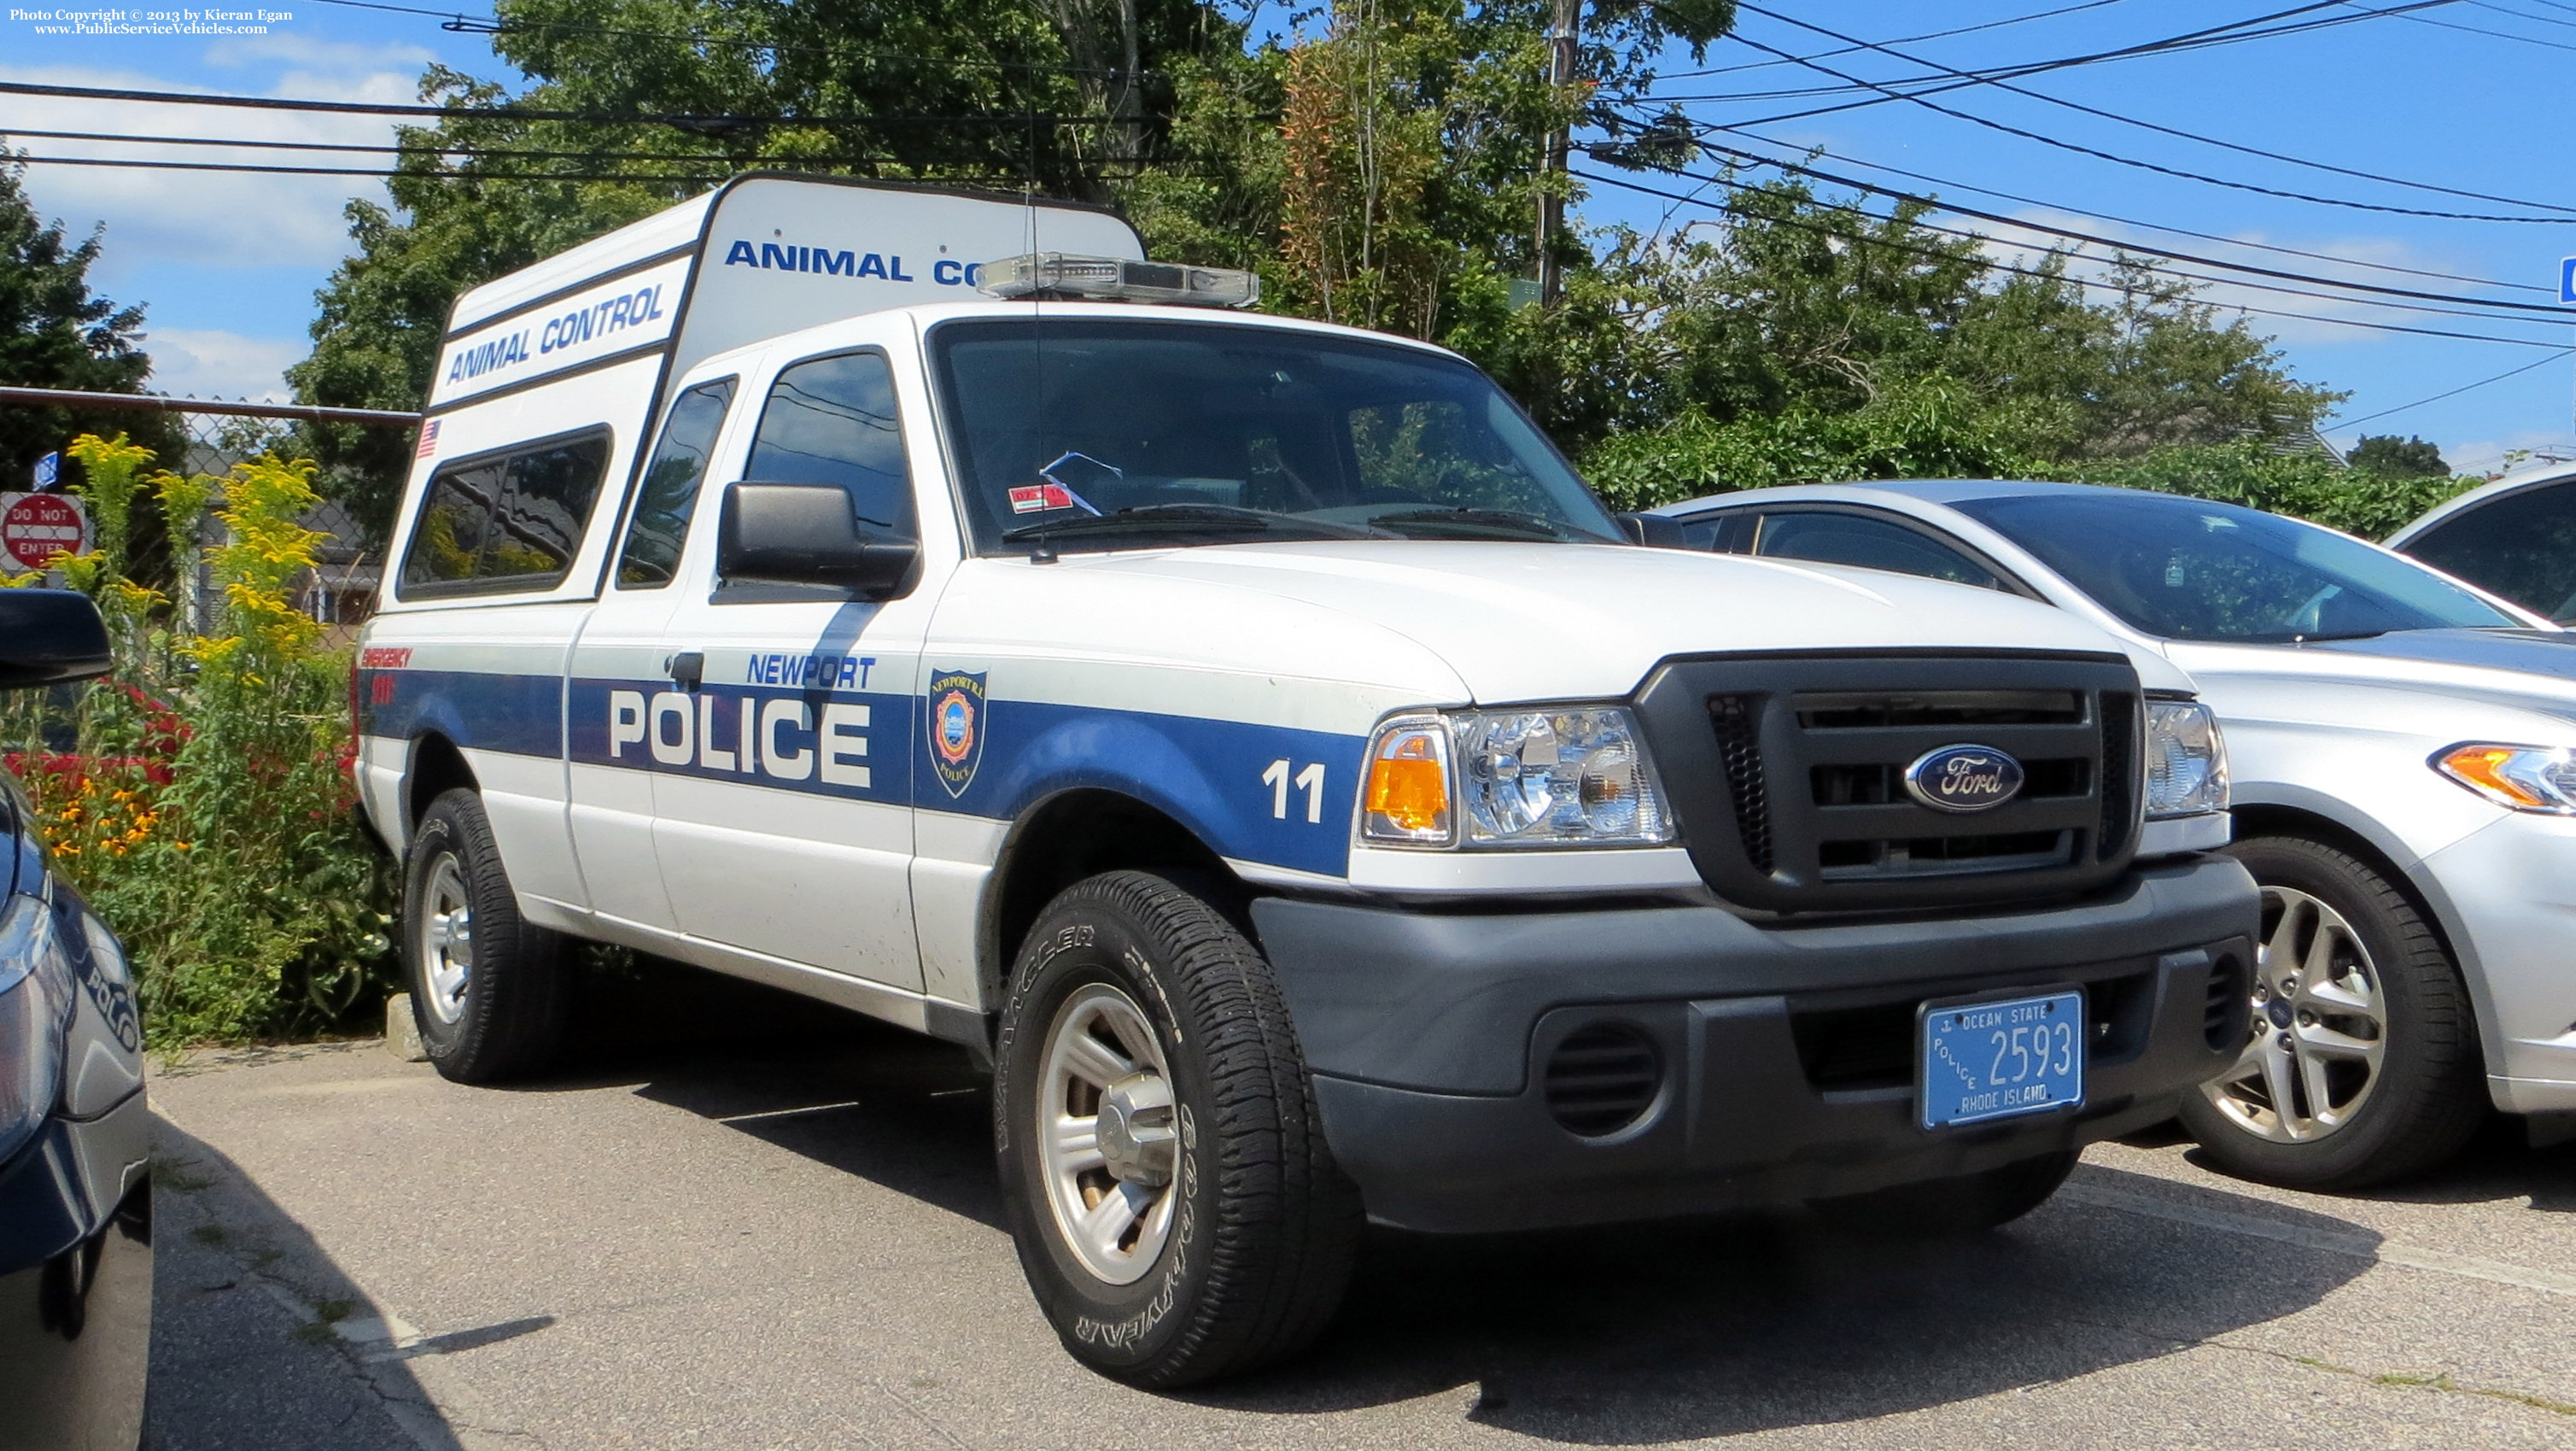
2319, 1027
1105, 1124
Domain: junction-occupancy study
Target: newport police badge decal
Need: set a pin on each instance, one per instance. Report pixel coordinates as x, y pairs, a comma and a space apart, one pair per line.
956, 727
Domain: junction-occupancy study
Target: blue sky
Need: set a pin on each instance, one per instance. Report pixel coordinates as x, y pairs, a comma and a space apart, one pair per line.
228, 264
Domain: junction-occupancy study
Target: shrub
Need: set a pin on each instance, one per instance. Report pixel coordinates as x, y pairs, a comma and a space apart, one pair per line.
201, 796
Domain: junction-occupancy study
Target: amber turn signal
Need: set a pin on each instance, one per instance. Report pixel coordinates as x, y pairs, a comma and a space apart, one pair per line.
1407, 799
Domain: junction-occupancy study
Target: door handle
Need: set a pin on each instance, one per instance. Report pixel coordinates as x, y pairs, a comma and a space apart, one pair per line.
689, 668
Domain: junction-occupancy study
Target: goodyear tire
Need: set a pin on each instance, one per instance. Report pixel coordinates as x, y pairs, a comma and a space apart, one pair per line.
2362, 1063
487, 989
1167, 1184
1949, 1208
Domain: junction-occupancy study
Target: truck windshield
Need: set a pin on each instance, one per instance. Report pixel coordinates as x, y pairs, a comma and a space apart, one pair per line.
1090, 433
2188, 569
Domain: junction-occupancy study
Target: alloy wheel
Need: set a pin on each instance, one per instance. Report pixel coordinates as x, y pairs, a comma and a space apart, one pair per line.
1107, 1133
446, 939
2319, 1030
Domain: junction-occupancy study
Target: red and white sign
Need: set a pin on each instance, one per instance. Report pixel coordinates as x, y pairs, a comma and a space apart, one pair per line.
34, 527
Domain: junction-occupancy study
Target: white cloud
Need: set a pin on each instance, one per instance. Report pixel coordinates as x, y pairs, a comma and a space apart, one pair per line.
203, 217
2340, 260
2488, 455
334, 56
211, 364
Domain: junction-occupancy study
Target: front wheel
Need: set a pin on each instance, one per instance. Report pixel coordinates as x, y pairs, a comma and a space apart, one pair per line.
2361, 1062
1948, 1208
1166, 1180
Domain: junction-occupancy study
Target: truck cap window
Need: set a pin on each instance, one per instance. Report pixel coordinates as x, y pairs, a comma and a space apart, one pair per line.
1110, 434
670, 491
505, 524
2188, 569
832, 421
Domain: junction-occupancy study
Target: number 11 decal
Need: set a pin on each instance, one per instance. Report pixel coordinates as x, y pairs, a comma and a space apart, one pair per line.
1310, 781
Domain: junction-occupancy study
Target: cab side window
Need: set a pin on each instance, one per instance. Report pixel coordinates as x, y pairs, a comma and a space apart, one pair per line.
670, 491
1832, 537
505, 525
2522, 546
832, 421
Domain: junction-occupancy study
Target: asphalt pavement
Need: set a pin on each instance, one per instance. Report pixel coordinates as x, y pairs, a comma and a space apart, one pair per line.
760, 1238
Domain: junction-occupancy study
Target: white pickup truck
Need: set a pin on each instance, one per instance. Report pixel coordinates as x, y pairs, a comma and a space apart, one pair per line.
1250, 738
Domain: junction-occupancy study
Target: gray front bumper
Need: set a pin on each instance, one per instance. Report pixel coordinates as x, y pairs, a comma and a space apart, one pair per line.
1427, 1032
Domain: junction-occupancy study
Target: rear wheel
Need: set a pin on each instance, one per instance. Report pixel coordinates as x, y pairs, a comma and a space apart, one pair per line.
487, 989
1167, 1183
1947, 1208
2361, 1062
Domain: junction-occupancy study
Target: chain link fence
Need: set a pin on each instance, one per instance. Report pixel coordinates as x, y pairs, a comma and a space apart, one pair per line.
213, 435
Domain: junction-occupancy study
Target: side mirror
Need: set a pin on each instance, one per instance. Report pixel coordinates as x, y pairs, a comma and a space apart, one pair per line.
48, 636
1655, 531
807, 534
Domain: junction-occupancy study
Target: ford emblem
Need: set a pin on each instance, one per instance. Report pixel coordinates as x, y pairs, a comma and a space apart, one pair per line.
1964, 778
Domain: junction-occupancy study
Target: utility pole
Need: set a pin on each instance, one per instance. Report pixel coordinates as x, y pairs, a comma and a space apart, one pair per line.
1565, 18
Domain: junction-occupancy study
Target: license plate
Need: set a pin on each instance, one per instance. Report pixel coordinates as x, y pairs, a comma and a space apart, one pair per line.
1995, 1059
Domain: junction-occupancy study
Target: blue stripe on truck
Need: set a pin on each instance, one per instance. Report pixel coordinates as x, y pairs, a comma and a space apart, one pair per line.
1270, 794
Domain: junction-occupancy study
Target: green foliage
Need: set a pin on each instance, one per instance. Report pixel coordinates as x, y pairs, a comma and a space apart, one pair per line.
2306, 486
54, 333
204, 808
2398, 458
1925, 428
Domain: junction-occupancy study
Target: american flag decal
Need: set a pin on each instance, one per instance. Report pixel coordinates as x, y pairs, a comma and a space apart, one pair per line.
428, 440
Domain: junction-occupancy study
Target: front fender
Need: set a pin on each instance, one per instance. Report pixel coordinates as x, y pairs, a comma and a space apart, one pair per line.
1257, 793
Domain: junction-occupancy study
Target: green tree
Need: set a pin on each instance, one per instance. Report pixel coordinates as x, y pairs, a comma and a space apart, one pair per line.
56, 333
2392, 457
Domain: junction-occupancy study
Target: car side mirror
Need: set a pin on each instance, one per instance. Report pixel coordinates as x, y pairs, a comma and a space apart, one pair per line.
1655, 531
808, 534
48, 636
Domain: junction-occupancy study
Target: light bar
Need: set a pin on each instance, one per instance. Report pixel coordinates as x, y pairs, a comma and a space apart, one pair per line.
1059, 276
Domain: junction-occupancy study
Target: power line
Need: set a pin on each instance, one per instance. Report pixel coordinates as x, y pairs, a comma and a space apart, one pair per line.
2227, 34
459, 22
2456, 392
475, 152
2063, 145
2470, 307
2008, 268
2170, 131
2215, 35
721, 173
524, 113
1764, 65
2136, 221
2496, 34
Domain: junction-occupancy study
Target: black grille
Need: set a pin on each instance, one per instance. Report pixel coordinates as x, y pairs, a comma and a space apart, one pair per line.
2122, 724
2230, 1000
1798, 762
1740, 752
1602, 1079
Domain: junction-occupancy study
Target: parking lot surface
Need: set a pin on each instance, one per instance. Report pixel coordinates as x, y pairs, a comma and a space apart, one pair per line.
758, 1244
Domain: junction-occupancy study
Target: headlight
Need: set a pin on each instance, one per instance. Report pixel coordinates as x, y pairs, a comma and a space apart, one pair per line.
2525, 778
31, 1019
1551, 777
2186, 760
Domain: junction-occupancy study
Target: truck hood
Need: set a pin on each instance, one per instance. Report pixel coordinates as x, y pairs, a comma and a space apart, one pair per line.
1528, 622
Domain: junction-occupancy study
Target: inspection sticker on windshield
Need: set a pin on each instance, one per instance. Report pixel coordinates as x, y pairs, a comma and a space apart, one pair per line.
1038, 498
1994, 1059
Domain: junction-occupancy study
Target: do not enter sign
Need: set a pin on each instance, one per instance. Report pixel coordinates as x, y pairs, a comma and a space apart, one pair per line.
34, 527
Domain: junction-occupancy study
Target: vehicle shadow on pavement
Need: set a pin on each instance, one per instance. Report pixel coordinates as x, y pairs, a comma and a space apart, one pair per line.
2499, 1165
260, 1341
1712, 1327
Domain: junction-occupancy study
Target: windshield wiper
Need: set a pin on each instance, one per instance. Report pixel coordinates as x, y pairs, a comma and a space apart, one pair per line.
1182, 518
1526, 524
